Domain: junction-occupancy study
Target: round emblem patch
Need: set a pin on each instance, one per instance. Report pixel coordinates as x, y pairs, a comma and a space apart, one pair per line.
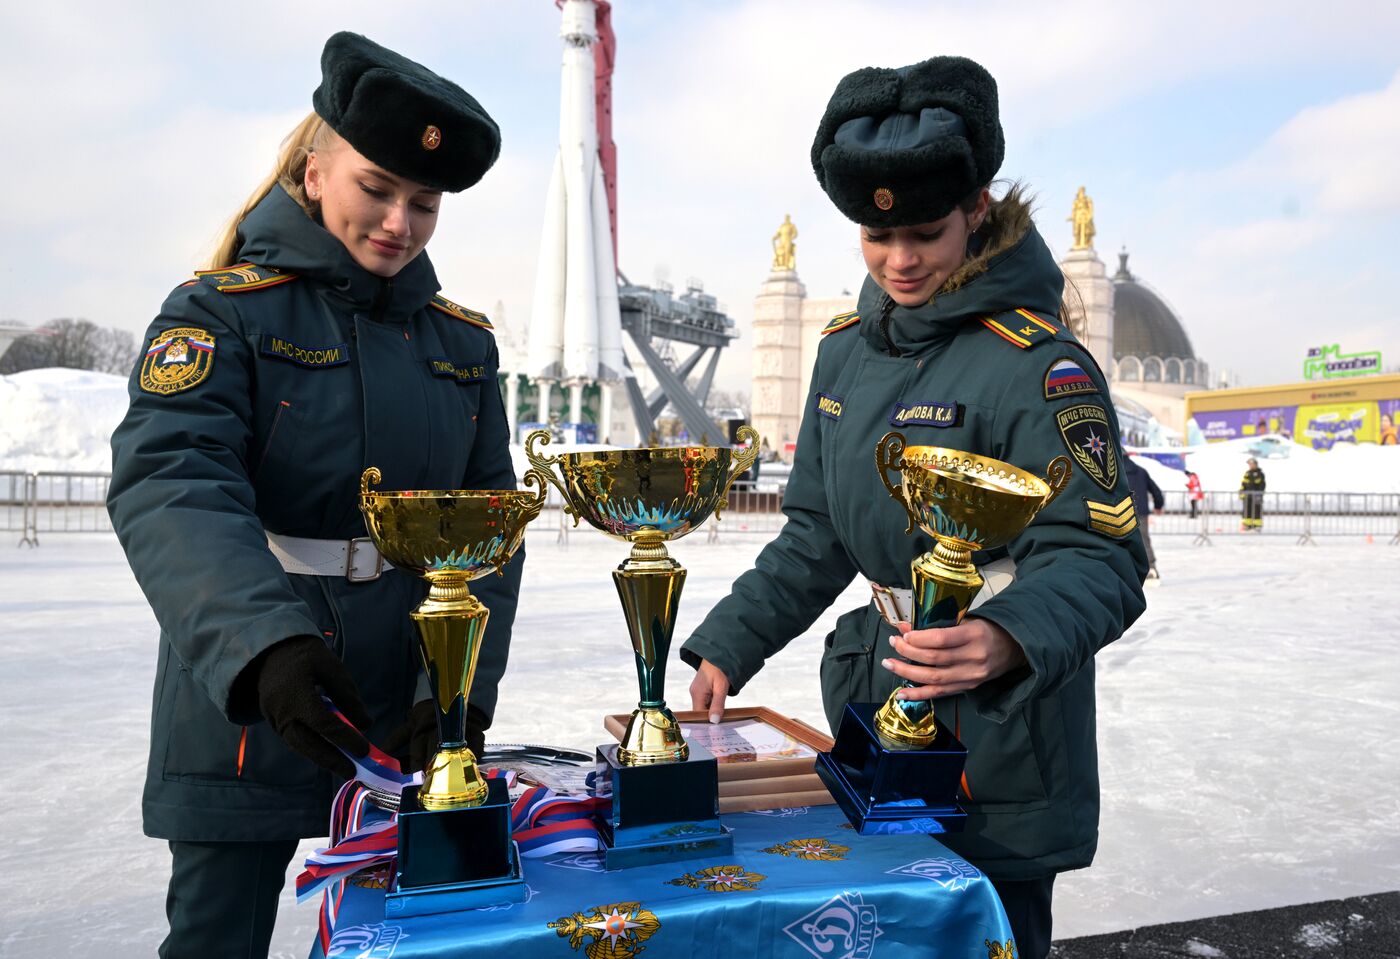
884, 199
432, 138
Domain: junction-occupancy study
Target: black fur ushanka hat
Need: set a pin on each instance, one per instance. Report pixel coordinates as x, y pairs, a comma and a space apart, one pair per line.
403, 116
900, 147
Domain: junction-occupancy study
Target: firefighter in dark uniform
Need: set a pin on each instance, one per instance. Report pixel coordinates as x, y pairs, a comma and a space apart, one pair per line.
318, 346
1252, 498
957, 342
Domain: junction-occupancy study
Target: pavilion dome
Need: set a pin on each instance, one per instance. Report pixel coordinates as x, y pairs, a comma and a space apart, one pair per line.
1143, 324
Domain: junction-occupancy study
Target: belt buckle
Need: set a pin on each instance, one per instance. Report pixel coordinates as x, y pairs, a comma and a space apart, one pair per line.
350, 549
886, 603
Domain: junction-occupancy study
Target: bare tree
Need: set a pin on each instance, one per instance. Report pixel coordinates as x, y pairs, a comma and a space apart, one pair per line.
76, 344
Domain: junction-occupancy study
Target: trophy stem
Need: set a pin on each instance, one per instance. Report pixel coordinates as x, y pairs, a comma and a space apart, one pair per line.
945, 581
649, 584
451, 624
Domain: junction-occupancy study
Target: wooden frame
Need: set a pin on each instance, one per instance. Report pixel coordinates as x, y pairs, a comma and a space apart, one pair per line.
758, 781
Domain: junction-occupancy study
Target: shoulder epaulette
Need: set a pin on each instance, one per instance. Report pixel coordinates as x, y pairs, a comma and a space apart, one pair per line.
242, 277
840, 321
441, 302
1024, 328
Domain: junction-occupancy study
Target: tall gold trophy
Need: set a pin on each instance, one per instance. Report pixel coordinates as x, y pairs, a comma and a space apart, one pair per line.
455, 852
665, 793
895, 768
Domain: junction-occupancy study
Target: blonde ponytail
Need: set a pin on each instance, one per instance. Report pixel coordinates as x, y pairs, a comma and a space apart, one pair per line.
310, 136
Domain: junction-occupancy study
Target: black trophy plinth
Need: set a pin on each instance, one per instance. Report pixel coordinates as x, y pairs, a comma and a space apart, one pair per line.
885, 789
455, 859
660, 812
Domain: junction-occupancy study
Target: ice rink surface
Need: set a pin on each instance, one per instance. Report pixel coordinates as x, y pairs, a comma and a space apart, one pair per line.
1247, 728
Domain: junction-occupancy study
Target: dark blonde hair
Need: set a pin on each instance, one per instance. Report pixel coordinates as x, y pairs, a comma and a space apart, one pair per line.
311, 135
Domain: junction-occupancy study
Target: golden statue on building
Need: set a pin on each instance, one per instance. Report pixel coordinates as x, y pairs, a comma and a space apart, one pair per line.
1082, 216
784, 247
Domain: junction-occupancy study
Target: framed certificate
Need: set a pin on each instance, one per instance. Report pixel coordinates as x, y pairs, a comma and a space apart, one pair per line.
766, 760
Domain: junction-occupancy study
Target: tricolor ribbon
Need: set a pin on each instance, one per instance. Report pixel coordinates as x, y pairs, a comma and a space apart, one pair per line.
365, 836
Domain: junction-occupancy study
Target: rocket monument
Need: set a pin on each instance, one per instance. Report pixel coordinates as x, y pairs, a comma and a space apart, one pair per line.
575, 328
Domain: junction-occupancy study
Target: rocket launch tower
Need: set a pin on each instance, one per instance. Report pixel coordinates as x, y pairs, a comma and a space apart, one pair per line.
576, 326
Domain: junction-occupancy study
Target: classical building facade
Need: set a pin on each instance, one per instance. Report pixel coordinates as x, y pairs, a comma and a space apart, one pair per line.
1137, 340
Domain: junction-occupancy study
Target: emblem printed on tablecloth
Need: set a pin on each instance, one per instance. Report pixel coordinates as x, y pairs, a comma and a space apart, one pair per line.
788, 813
530, 893
1089, 440
996, 950
377, 878
720, 879
951, 874
584, 861
844, 927
178, 359
380, 941
617, 929
822, 849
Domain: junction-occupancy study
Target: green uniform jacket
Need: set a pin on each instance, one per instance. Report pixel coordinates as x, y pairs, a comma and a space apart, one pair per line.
309, 380
1032, 767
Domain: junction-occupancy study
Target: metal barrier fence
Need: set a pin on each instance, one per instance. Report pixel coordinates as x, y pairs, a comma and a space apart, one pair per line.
69, 502
53, 502
1301, 515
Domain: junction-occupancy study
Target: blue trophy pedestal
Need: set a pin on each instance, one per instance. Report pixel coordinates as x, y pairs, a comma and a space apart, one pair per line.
664, 812
455, 859
887, 790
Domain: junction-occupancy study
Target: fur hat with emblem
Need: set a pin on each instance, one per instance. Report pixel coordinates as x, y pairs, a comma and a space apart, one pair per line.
905, 146
403, 116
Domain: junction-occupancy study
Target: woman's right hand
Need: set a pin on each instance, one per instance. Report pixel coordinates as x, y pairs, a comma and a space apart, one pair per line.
708, 689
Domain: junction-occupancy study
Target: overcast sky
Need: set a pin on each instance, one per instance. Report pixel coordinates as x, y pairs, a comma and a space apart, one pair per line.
1244, 152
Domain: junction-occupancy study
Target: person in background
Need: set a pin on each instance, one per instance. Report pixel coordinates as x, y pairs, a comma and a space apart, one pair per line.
1144, 487
316, 346
1252, 498
1194, 494
1389, 434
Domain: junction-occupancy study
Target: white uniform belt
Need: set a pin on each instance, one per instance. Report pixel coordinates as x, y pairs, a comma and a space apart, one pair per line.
355, 559
897, 605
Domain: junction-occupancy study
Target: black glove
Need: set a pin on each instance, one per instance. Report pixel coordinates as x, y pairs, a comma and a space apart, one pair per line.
414, 742
290, 679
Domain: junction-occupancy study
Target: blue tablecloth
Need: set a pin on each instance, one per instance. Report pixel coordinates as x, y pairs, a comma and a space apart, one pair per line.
799, 883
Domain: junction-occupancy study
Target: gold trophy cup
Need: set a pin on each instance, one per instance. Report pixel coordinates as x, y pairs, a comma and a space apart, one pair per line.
456, 852
648, 497
449, 537
890, 769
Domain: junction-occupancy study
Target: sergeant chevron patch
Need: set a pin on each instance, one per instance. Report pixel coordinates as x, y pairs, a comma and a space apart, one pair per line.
1112, 519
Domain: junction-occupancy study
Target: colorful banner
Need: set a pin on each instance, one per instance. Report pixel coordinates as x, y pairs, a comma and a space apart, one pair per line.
1317, 425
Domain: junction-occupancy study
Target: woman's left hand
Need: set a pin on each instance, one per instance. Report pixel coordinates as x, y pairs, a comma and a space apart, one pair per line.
954, 659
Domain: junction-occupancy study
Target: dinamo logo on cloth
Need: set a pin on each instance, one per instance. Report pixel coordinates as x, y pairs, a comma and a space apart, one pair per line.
378, 941
177, 360
1089, 440
951, 874
844, 927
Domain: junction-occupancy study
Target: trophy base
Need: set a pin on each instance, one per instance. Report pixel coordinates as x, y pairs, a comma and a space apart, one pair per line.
455, 859
663, 812
886, 789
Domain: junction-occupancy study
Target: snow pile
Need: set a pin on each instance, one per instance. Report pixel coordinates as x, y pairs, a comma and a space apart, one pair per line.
59, 419
1288, 467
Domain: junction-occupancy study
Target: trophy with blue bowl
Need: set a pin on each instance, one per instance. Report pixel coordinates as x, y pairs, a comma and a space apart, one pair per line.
895, 768
664, 791
455, 847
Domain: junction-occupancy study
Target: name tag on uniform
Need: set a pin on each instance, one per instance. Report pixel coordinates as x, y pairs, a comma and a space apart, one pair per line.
924, 414
313, 356
467, 373
829, 406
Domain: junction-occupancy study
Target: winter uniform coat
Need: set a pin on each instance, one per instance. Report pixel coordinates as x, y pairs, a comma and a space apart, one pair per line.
987, 368
266, 390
